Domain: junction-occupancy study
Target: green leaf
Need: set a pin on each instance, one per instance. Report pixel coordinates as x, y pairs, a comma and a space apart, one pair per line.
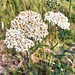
73, 16
68, 0
54, 46
44, 45
35, 49
73, 52
68, 69
60, 55
16, 3
51, 43
70, 46
21, 54
53, 55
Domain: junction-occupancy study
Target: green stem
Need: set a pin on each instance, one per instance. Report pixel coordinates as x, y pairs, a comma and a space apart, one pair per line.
69, 10
29, 61
55, 33
49, 30
63, 39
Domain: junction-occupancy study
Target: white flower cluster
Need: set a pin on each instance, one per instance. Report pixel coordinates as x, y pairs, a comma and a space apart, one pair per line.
14, 38
57, 19
31, 24
27, 24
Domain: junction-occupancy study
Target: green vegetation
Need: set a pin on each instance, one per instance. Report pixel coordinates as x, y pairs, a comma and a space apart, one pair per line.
55, 55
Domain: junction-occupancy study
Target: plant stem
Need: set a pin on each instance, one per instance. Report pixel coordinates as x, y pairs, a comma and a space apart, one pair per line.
63, 39
49, 30
69, 10
55, 33
27, 59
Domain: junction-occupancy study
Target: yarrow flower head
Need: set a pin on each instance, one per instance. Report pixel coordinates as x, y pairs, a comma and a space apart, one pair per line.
15, 38
57, 19
26, 25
